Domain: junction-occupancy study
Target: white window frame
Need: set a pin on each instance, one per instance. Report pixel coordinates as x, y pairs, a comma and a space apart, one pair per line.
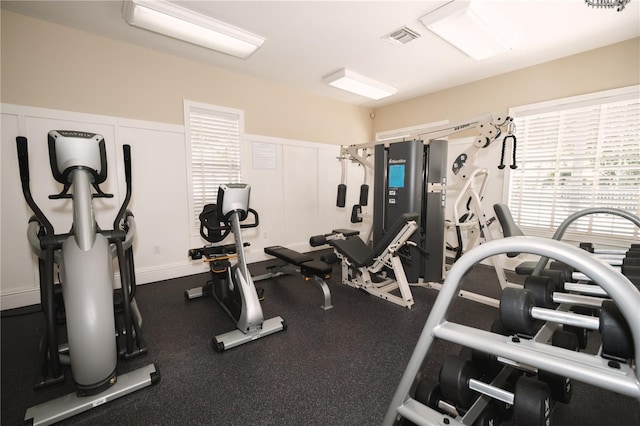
196, 201
598, 98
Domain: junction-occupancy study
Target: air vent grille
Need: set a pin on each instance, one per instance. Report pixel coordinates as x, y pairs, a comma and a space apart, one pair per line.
402, 36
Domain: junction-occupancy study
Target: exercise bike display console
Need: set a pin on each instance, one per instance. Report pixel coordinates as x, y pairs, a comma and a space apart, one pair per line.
232, 285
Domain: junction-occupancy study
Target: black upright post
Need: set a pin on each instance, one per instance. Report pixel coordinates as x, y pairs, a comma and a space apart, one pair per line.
398, 190
432, 223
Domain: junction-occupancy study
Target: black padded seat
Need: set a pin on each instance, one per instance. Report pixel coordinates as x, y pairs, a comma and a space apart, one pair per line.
288, 255
316, 267
526, 268
360, 254
308, 266
509, 227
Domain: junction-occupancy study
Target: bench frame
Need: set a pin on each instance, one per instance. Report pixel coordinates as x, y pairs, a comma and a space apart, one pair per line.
295, 266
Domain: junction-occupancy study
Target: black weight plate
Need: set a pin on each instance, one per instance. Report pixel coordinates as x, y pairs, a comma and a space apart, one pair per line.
630, 271
428, 393
556, 277
515, 310
486, 364
498, 327
542, 289
566, 270
565, 339
559, 386
490, 416
631, 261
581, 334
454, 381
532, 403
616, 336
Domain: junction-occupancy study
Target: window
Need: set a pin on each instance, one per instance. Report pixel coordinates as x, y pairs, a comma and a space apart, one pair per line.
213, 137
574, 154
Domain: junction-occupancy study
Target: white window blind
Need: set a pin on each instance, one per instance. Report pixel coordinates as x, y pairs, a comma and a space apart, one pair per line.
213, 136
574, 155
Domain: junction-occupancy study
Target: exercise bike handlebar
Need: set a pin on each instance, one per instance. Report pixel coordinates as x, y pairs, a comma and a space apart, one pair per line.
226, 225
23, 164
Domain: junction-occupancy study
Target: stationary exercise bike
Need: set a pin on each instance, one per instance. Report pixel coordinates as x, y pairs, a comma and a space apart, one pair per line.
232, 285
101, 324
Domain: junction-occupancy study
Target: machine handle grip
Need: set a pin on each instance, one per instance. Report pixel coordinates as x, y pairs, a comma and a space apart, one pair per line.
364, 194
256, 220
23, 158
23, 164
126, 150
342, 195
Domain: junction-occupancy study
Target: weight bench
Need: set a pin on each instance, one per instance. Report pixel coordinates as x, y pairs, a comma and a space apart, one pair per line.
299, 263
360, 264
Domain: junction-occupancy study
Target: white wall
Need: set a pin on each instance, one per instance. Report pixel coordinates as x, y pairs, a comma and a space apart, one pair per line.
295, 200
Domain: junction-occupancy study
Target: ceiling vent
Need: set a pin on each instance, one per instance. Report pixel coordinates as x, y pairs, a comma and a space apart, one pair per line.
402, 36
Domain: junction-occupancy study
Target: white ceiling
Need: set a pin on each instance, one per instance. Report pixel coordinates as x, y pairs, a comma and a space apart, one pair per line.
306, 40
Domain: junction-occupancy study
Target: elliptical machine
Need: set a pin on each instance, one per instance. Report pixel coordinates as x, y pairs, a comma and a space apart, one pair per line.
232, 286
98, 329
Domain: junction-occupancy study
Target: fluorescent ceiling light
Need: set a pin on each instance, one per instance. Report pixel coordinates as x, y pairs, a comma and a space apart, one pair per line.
356, 83
457, 23
177, 22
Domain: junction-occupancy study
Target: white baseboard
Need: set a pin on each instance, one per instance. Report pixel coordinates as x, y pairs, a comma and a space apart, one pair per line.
20, 298
31, 295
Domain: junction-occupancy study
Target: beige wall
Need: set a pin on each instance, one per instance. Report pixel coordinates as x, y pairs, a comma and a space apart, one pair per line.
609, 67
52, 66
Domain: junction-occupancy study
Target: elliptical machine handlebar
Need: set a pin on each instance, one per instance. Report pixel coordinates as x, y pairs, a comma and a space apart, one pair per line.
126, 151
23, 164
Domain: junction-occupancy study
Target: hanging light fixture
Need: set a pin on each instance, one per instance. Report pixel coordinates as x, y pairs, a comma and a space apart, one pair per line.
458, 23
178, 22
357, 83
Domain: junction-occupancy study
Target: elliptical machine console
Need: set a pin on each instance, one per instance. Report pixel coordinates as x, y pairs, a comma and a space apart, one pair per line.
84, 257
232, 285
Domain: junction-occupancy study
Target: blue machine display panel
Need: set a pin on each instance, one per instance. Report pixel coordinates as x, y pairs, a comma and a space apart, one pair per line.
396, 175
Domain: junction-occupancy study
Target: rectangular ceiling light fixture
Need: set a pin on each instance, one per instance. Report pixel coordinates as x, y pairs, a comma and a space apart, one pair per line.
356, 83
177, 22
457, 23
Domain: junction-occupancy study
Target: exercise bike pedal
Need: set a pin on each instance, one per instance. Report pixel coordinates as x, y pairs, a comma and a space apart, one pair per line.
260, 292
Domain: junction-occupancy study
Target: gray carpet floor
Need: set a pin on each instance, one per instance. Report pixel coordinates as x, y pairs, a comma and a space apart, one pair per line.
335, 367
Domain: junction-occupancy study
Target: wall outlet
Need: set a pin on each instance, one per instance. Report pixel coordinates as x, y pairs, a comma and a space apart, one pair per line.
156, 249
